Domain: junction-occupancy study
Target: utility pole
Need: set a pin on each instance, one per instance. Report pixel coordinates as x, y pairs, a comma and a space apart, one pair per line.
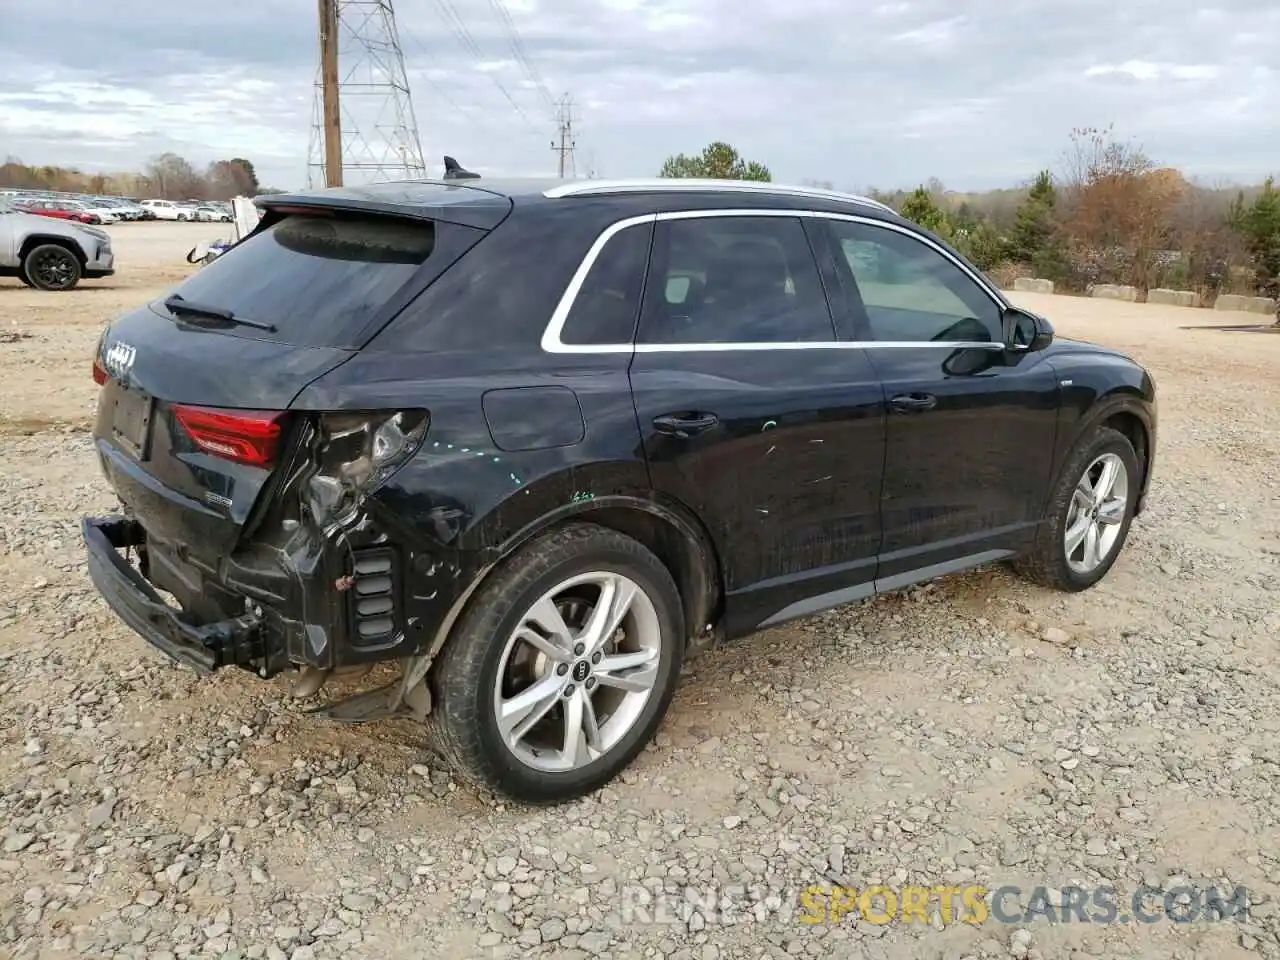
564, 144
329, 93
363, 127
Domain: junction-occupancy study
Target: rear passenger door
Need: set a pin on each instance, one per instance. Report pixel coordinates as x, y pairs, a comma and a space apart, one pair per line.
754, 414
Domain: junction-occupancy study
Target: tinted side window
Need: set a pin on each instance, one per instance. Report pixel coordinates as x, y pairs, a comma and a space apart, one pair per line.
911, 292
605, 309
734, 280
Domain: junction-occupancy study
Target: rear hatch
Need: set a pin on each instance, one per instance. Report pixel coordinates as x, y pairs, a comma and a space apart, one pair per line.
193, 418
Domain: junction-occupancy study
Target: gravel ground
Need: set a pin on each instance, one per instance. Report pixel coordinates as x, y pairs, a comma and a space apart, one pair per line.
973, 730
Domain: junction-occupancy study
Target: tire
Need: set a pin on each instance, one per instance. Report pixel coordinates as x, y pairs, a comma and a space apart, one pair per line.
1049, 562
182, 218
484, 652
51, 267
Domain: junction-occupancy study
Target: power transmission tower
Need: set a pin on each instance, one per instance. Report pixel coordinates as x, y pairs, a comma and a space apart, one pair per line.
363, 126
564, 144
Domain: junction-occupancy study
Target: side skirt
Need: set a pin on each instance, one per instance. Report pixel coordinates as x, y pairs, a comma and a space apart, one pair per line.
863, 591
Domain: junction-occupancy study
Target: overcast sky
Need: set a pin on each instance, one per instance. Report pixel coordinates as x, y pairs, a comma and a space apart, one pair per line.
978, 93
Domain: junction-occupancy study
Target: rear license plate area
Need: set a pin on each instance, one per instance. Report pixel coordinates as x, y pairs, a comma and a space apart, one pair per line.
131, 420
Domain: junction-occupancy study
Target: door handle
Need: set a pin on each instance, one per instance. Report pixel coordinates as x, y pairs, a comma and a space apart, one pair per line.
914, 402
684, 425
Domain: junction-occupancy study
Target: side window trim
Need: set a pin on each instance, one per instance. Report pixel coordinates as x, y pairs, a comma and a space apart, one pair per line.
647, 231
551, 342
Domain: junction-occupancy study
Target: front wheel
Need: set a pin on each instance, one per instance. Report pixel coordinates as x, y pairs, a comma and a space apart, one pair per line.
1089, 516
51, 267
562, 668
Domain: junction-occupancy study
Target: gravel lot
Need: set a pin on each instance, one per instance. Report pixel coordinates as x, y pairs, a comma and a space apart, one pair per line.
974, 730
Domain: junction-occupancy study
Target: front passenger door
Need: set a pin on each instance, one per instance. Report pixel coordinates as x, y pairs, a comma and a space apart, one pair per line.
971, 425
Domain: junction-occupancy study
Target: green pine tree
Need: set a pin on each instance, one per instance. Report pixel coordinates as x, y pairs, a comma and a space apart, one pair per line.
1033, 227
921, 208
1258, 225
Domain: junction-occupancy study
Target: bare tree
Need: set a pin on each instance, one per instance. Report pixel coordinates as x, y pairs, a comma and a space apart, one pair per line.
1117, 205
175, 178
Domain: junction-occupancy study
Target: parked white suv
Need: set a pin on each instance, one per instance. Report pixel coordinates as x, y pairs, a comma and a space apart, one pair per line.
167, 210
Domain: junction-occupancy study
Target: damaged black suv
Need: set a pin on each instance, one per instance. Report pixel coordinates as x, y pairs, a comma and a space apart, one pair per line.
539, 443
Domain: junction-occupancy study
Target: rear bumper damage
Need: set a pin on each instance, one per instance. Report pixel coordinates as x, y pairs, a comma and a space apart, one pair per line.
205, 647
308, 601
260, 640
309, 570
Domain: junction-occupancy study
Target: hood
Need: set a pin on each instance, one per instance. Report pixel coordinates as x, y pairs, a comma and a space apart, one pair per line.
1065, 346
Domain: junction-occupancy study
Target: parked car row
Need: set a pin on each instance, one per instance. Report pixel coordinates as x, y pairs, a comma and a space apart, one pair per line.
103, 210
209, 212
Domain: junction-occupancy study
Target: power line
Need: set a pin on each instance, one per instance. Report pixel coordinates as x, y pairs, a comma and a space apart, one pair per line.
439, 88
523, 60
469, 45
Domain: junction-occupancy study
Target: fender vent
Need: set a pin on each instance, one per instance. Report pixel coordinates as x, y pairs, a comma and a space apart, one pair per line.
373, 596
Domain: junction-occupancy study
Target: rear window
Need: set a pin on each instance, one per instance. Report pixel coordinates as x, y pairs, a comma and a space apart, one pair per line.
318, 279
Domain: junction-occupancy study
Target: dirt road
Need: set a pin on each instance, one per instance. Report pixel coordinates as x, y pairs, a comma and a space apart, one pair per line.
972, 731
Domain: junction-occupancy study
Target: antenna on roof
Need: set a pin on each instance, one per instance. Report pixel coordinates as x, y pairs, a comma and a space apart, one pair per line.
454, 171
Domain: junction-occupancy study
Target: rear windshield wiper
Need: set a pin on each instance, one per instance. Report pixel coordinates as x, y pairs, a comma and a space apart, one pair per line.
177, 303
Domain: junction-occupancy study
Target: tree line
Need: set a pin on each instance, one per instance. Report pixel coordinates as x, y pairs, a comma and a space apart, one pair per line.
165, 177
1107, 214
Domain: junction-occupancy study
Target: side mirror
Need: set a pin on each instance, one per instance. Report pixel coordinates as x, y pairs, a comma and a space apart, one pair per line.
1025, 331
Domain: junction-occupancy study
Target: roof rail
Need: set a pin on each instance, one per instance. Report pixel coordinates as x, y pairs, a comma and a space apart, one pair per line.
587, 188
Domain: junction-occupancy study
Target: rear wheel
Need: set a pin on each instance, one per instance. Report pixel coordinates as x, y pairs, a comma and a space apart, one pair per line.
51, 267
1090, 514
562, 668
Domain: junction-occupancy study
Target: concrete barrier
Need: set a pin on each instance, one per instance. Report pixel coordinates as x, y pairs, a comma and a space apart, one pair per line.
1033, 285
1112, 291
1234, 301
1174, 298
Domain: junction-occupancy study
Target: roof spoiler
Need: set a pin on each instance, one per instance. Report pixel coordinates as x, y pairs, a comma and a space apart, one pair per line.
454, 171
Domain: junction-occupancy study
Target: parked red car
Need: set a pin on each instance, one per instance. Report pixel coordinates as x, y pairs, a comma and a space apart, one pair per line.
62, 210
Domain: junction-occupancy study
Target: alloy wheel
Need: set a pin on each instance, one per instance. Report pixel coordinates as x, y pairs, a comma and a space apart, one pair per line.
577, 671
1096, 514
54, 269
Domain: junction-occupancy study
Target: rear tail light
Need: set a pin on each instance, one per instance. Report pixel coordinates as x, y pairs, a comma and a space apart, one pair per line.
242, 436
99, 371
357, 452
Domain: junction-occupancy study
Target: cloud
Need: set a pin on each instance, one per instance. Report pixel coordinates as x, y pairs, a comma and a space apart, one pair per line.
887, 94
1146, 70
